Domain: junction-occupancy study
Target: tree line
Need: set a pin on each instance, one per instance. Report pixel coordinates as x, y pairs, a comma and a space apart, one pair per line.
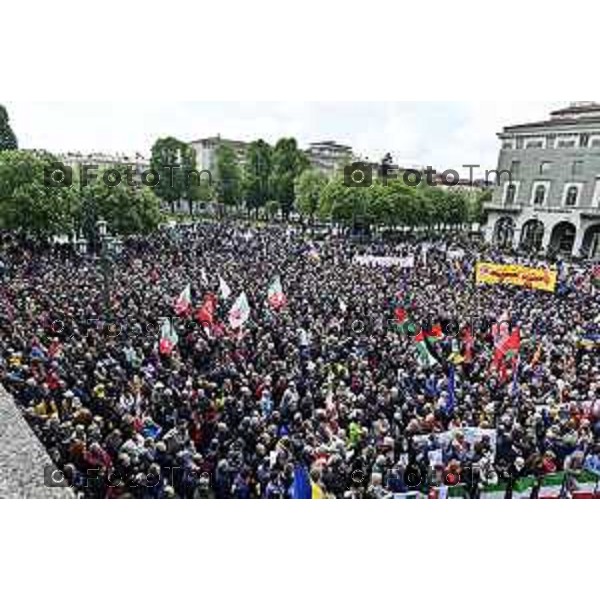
263, 181
30, 205
278, 179
387, 204
270, 180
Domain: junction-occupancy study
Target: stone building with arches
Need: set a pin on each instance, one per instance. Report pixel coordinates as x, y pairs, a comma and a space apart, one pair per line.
547, 196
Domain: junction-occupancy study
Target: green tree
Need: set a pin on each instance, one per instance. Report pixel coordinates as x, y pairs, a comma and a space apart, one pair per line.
456, 208
228, 175
344, 205
393, 204
173, 160
128, 209
27, 203
257, 175
272, 208
476, 204
308, 187
8, 141
201, 192
288, 162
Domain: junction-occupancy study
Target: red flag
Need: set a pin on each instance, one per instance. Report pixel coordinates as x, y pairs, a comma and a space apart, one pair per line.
512, 344
508, 347
468, 341
165, 347
205, 315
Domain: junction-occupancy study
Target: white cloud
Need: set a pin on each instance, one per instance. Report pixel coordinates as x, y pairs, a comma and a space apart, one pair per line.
441, 134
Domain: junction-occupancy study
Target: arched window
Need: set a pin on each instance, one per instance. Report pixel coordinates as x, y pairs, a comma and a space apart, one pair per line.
504, 232
532, 235
572, 195
511, 192
539, 196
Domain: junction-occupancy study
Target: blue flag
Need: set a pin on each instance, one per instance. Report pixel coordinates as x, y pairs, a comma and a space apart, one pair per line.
451, 392
301, 488
515, 382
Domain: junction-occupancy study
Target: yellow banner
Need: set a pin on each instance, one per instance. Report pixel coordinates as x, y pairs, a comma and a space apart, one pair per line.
537, 279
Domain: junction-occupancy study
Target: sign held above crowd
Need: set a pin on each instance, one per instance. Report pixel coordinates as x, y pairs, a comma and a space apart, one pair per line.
534, 278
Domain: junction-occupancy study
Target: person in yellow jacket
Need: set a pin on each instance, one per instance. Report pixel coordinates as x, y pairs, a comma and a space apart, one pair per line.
317, 490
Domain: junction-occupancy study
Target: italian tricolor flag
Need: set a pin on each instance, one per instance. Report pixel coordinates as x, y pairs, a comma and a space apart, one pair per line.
184, 301
240, 312
275, 295
224, 289
168, 337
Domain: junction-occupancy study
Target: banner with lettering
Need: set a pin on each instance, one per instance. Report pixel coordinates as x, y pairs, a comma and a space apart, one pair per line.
533, 278
404, 262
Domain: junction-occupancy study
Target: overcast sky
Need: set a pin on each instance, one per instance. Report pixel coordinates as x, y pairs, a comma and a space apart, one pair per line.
442, 134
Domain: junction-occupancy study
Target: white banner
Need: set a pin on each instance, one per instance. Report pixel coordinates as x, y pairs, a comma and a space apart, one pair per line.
471, 435
404, 262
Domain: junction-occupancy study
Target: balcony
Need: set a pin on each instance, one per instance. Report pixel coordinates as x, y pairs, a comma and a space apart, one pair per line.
590, 212
501, 207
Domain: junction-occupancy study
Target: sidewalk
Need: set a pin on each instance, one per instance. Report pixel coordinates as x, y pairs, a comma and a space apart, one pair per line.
22, 457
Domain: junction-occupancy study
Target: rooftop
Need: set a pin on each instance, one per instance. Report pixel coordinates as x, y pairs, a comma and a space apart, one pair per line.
577, 113
330, 144
577, 108
220, 140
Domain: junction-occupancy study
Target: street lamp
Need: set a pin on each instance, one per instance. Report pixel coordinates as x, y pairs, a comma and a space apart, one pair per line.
101, 227
117, 246
81, 246
108, 246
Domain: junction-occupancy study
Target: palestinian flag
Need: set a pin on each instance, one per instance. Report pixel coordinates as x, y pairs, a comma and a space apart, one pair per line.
240, 312
426, 340
184, 302
435, 334
275, 295
224, 289
401, 317
168, 338
426, 358
205, 315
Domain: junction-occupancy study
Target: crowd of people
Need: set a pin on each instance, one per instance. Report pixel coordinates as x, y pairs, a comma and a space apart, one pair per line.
325, 396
